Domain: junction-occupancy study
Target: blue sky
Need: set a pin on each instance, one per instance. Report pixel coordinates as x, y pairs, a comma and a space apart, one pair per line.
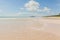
18, 8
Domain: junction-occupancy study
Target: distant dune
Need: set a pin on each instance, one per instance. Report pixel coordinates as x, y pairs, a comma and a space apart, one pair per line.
29, 28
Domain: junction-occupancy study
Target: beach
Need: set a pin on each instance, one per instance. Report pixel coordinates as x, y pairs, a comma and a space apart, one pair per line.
29, 28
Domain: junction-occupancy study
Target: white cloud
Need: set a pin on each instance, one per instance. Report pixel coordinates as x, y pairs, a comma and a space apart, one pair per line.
46, 9
21, 8
33, 6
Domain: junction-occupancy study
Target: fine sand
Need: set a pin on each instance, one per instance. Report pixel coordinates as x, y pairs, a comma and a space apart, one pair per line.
29, 29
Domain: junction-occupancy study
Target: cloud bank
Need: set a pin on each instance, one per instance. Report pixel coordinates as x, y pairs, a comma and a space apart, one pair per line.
33, 6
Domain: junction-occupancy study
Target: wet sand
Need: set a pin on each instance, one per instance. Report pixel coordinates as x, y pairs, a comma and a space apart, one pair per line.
29, 29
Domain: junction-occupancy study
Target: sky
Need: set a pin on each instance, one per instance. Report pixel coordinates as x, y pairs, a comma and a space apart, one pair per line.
29, 7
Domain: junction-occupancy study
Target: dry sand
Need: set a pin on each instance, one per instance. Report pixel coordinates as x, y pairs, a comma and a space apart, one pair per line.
29, 29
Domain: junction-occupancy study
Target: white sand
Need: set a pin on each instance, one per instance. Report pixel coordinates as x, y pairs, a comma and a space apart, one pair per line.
29, 29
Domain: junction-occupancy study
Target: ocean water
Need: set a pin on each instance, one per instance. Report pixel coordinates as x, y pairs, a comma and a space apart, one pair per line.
19, 16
